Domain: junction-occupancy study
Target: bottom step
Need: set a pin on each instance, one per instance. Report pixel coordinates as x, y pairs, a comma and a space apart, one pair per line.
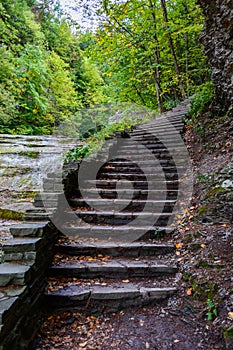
105, 297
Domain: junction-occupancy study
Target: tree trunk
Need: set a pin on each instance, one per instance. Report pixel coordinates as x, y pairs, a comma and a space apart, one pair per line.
156, 72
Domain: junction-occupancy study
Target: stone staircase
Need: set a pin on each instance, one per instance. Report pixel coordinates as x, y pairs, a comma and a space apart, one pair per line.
109, 255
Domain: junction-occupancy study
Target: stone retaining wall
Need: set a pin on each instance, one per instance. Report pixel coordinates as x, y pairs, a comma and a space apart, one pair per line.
22, 282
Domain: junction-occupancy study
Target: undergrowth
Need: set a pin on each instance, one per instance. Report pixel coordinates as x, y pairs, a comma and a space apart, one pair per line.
95, 142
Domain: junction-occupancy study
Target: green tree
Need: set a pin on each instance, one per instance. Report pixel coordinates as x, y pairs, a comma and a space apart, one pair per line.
150, 49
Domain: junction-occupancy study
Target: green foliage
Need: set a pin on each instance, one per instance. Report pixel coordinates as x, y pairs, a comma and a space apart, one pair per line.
134, 49
44, 78
202, 99
212, 311
7, 214
29, 154
198, 106
52, 74
94, 142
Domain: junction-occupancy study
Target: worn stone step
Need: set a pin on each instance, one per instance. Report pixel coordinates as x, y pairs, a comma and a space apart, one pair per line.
47, 196
136, 176
139, 194
112, 233
162, 138
21, 249
119, 204
9, 298
46, 199
157, 154
129, 249
106, 297
111, 184
166, 128
21, 244
152, 145
35, 229
121, 218
137, 158
53, 187
143, 163
39, 214
130, 169
45, 204
161, 142
14, 274
159, 161
113, 269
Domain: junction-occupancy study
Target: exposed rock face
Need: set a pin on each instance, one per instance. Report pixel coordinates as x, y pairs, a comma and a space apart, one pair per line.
217, 38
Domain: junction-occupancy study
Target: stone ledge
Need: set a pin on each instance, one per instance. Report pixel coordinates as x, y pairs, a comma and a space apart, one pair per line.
15, 274
35, 229
113, 298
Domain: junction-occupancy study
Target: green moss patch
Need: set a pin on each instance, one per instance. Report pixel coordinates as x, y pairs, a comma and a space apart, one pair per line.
8, 214
29, 154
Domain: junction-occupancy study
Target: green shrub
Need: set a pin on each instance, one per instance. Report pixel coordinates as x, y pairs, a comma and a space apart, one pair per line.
202, 99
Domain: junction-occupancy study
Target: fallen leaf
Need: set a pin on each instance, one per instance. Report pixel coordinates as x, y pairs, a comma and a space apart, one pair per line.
179, 245
203, 245
82, 345
189, 291
230, 315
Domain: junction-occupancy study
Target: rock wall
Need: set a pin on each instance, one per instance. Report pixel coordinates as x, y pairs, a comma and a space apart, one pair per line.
217, 38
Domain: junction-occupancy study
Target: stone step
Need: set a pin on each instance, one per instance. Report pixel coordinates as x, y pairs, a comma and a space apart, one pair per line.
21, 249
157, 128
152, 145
111, 184
136, 176
113, 233
159, 160
118, 204
9, 298
50, 200
166, 136
106, 297
47, 196
39, 214
120, 218
145, 163
53, 187
133, 194
166, 129
164, 153
137, 158
14, 274
113, 269
28, 229
161, 142
129, 249
109, 169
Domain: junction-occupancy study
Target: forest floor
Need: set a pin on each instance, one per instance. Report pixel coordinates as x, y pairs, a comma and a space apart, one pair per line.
200, 313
